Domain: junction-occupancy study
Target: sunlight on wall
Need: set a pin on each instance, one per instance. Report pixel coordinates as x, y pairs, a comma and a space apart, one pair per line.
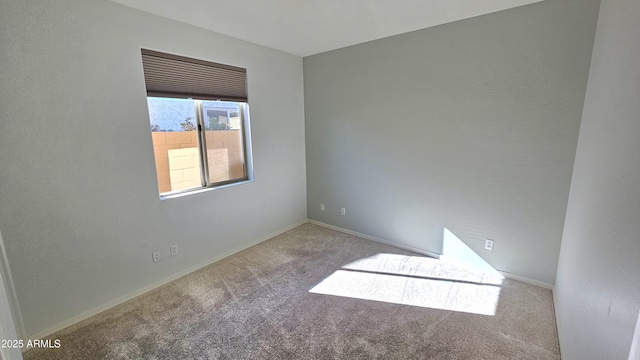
456, 251
415, 281
634, 354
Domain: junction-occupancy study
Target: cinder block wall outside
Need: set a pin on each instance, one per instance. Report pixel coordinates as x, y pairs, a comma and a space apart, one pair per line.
232, 141
231, 164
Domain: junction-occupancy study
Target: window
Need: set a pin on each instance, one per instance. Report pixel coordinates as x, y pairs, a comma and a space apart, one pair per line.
199, 117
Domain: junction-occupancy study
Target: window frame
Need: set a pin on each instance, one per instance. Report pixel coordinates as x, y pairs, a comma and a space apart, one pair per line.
201, 130
206, 184
202, 144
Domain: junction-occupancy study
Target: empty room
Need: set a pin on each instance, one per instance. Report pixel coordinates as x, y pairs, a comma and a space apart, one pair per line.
446, 179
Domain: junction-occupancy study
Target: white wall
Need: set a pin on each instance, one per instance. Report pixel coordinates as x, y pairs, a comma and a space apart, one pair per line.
471, 126
81, 216
10, 314
598, 282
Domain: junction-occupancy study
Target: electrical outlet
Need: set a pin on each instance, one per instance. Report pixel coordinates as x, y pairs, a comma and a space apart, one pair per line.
174, 250
488, 244
343, 211
321, 207
156, 256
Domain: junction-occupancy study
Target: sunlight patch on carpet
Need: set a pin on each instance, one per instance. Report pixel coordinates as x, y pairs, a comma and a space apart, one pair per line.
415, 281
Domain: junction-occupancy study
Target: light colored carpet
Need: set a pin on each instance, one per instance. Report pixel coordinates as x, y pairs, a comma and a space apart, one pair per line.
314, 293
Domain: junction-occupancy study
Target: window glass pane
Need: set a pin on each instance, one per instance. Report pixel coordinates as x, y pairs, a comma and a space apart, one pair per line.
175, 144
223, 124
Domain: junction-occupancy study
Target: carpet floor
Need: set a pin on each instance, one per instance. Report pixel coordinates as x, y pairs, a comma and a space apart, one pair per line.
314, 293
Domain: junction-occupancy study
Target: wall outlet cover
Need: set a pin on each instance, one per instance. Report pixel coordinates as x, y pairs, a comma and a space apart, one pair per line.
488, 244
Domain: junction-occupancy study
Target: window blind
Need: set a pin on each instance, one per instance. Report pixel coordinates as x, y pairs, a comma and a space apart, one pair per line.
168, 75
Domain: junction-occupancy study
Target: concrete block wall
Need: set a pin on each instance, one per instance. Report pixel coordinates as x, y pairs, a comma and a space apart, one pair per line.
231, 140
162, 143
176, 155
184, 168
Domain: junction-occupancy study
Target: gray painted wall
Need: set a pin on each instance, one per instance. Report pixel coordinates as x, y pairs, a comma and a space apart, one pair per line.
471, 126
79, 206
598, 282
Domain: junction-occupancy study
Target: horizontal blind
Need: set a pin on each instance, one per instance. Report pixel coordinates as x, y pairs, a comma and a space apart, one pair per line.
168, 75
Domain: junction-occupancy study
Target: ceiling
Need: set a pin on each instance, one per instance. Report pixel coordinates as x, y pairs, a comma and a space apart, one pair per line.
305, 27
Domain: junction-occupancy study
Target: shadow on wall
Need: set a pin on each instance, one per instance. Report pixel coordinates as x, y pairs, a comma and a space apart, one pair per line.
461, 282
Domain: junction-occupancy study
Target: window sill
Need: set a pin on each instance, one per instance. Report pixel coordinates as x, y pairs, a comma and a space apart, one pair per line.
188, 192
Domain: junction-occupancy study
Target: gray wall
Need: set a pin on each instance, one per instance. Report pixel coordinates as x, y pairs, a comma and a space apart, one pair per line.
598, 283
79, 206
471, 126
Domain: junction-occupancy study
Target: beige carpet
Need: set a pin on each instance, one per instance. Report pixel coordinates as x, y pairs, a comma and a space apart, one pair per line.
314, 293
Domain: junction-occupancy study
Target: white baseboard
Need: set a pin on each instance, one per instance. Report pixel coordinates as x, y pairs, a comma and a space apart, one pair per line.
426, 252
555, 314
106, 306
526, 280
376, 239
